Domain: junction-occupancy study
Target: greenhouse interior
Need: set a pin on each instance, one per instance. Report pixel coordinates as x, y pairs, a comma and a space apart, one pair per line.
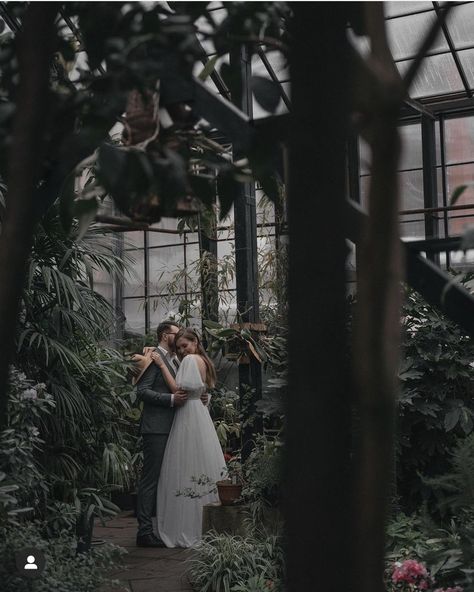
236, 296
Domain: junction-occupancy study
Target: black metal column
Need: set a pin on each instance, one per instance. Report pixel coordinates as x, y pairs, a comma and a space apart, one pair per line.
245, 220
430, 192
353, 166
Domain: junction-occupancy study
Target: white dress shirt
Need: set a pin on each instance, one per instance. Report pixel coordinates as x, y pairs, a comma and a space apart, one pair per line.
172, 360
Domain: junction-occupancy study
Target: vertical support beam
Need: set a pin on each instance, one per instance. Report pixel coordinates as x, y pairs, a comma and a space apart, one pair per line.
146, 268
245, 221
430, 193
445, 184
353, 166
317, 486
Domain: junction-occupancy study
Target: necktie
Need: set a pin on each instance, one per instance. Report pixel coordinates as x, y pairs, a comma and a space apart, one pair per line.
175, 364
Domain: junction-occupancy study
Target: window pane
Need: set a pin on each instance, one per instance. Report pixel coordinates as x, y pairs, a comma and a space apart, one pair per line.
134, 284
461, 24
103, 284
413, 228
193, 268
411, 156
134, 239
163, 308
278, 62
437, 75
405, 33
411, 190
397, 8
265, 209
166, 267
184, 309
456, 176
158, 239
134, 311
459, 139
227, 307
467, 62
226, 264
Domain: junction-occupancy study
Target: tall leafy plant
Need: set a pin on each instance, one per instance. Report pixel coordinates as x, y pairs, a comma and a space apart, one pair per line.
64, 329
436, 403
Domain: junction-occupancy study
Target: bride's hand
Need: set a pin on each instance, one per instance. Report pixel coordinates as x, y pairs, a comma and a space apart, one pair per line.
157, 359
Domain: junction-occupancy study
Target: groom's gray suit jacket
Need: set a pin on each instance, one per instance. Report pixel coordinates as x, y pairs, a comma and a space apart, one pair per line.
157, 415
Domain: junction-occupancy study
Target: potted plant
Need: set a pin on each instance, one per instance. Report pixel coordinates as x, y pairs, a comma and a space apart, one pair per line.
229, 489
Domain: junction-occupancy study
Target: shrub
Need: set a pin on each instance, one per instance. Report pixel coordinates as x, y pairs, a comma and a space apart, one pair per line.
436, 402
226, 563
65, 570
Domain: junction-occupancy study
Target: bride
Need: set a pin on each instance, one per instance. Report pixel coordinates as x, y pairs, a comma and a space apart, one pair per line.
193, 459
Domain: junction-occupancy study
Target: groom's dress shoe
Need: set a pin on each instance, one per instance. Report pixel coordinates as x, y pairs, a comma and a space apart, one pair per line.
149, 540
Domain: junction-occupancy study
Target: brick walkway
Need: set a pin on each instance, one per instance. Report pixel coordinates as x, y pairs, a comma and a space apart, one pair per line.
145, 570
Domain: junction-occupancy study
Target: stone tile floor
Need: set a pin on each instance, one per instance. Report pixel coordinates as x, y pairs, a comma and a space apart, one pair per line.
144, 570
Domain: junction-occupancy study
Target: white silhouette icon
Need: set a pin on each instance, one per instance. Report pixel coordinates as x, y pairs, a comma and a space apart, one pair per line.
31, 563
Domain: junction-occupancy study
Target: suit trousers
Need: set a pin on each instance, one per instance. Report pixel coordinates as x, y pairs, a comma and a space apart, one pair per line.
153, 451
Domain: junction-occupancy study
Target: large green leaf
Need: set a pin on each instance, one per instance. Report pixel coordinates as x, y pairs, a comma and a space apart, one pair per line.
208, 68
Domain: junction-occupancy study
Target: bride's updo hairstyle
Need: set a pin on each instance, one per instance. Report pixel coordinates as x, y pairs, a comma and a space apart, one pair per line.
191, 335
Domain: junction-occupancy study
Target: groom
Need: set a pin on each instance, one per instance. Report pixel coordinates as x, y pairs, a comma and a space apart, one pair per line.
158, 411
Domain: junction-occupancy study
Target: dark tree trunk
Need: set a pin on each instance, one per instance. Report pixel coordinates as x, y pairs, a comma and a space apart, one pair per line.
35, 50
317, 496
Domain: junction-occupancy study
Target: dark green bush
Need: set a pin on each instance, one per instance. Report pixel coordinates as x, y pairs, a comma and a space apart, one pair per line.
436, 401
65, 571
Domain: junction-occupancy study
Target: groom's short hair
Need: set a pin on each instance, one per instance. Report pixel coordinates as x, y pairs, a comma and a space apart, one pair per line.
164, 327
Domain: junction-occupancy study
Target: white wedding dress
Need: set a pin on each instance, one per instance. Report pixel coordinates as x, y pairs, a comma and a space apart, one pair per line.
193, 453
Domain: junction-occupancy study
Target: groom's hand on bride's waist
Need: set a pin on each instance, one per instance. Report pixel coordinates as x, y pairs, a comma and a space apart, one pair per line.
180, 397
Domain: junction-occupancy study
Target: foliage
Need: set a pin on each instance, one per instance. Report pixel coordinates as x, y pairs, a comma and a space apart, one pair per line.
236, 341
226, 563
436, 403
455, 489
224, 408
262, 476
445, 544
406, 536
63, 329
140, 45
234, 470
65, 569
25, 486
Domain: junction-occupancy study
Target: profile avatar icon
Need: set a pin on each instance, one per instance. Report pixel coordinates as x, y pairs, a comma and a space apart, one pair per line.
30, 562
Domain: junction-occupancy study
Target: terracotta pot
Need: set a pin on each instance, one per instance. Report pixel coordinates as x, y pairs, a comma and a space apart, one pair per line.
228, 492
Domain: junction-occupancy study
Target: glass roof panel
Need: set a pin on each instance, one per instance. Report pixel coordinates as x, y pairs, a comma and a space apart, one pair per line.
406, 33
461, 25
277, 61
437, 75
399, 8
467, 62
204, 28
